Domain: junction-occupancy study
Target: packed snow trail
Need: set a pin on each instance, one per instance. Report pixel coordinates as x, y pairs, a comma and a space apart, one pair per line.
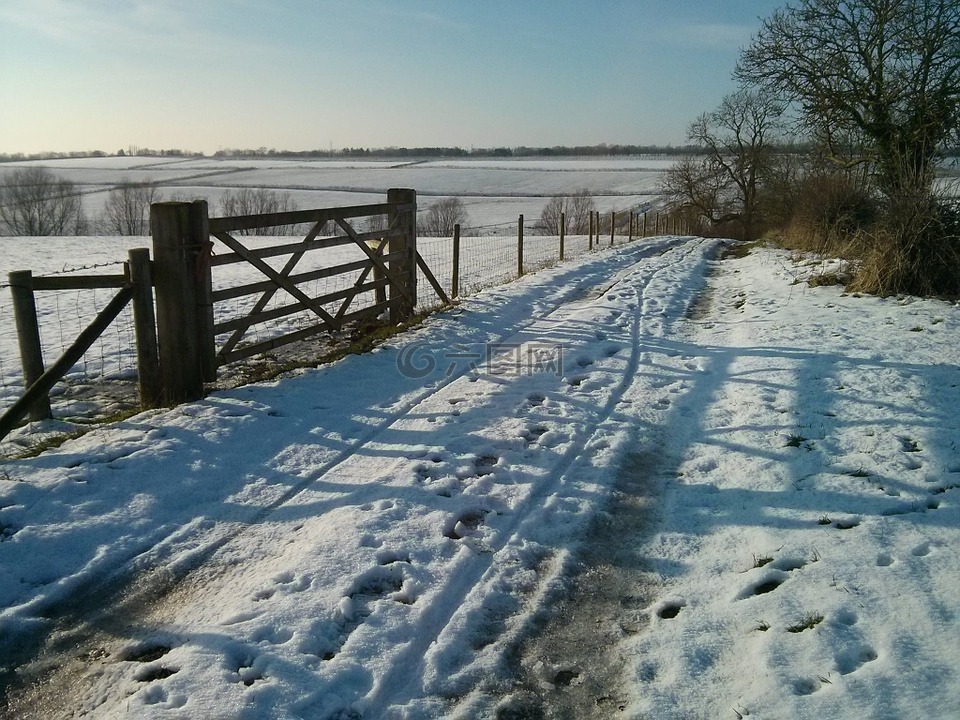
346, 541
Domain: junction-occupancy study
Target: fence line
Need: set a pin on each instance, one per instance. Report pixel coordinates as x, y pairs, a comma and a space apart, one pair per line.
463, 265
477, 262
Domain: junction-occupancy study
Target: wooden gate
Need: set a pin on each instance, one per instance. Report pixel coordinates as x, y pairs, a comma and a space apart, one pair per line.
185, 257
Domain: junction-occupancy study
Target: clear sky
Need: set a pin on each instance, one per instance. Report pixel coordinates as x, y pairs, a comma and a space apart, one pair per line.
305, 74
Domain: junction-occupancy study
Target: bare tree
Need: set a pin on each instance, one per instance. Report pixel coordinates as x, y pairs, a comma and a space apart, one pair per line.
258, 201
441, 216
693, 185
884, 71
127, 210
575, 210
34, 201
725, 184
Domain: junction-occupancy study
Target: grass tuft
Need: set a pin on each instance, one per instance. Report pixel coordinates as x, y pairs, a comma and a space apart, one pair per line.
808, 623
795, 440
829, 279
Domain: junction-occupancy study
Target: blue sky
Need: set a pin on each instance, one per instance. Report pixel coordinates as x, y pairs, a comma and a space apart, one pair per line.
301, 74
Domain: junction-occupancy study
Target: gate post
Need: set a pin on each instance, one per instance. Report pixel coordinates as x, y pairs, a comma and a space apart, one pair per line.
28, 336
181, 264
404, 219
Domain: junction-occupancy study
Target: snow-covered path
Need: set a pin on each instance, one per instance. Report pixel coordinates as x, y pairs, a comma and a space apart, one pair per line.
695, 510
354, 537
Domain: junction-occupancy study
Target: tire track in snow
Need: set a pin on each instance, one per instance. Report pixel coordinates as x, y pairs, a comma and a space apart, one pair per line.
359, 444
137, 585
473, 572
562, 662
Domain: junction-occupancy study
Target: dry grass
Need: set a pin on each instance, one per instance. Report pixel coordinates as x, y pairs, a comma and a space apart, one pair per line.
908, 245
916, 251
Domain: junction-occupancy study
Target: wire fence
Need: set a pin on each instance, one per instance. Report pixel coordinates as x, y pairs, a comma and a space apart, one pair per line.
103, 381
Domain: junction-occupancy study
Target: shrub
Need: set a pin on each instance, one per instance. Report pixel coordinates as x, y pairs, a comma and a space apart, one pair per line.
830, 214
914, 249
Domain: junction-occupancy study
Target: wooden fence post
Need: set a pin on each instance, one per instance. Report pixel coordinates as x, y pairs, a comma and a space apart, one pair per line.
643, 233
181, 270
613, 225
145, 328
455, 280
563, 227
520, 246
406, 268
28, 337
590, 240
630, 229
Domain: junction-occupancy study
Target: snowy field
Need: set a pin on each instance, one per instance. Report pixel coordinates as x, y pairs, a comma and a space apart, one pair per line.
647, 484
495, 192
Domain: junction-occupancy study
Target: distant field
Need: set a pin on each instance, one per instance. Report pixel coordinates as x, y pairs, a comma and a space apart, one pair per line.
493, 190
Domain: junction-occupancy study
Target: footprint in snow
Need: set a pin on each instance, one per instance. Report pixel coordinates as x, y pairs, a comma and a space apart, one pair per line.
536, 399
271, 635
806, 686
145, 651
532, 434
485, 465
769, 582
148, 654
464, 523
244, 664
670, 609
384, 582
854, 659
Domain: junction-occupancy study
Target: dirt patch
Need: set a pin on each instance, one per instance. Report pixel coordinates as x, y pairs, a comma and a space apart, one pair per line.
569, 667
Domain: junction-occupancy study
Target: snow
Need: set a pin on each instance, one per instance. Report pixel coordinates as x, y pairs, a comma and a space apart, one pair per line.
493, 190
400, 534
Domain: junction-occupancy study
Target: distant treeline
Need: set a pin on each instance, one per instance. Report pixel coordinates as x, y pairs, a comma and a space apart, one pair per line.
601, 150
362, 152
131, 152
456, 152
